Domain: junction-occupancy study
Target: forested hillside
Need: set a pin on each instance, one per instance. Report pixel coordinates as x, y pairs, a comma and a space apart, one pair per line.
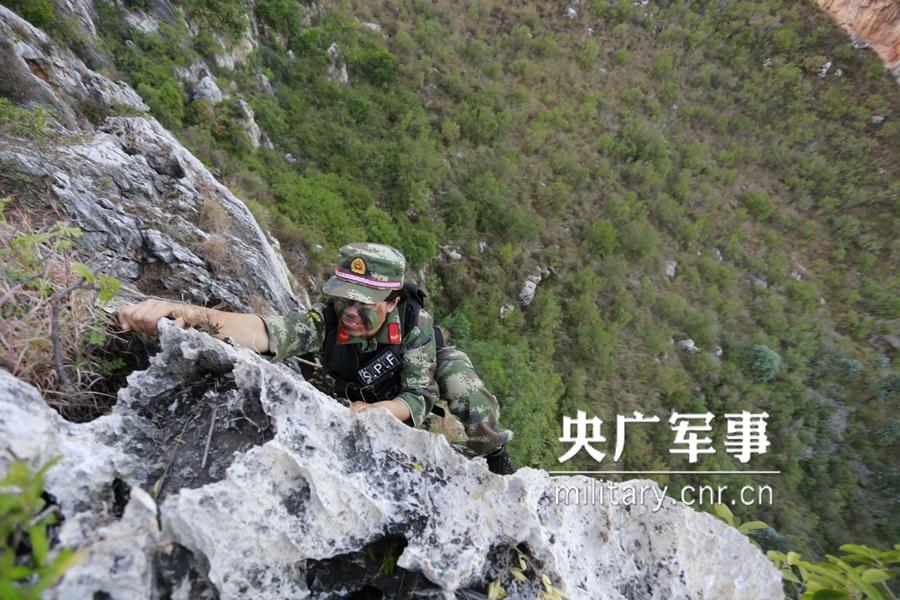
719, 172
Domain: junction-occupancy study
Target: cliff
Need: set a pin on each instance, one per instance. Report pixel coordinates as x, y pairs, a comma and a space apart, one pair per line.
220, 475
877, 22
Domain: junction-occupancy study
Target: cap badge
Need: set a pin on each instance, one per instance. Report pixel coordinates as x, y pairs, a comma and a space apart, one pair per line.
358, 266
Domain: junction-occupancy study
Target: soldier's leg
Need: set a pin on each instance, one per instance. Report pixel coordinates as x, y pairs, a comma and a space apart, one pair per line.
470, 401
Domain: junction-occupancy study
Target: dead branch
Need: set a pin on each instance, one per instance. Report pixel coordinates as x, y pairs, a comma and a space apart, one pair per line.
212, 424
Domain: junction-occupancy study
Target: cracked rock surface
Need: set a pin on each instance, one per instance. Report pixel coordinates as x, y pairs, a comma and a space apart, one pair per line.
152, 214
292, 479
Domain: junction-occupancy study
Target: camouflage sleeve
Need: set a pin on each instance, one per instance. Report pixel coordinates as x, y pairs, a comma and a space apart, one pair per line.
297, 332
419, 388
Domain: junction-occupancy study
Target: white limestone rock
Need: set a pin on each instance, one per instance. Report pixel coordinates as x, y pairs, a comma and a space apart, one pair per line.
142, 22
337, 69
34, 70
451, 252
120, 553
688, 345
529, 286
125, 183
323, 483
248, 123
671, 268
207, 89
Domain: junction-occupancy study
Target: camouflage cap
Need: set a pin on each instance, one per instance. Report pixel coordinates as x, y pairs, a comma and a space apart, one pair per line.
367, 273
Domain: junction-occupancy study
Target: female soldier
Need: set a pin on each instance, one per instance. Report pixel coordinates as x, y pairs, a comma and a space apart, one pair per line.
377, 342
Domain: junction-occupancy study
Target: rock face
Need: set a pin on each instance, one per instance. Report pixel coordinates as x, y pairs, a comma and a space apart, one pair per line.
876, 21
294, 483
33, 70
132, 187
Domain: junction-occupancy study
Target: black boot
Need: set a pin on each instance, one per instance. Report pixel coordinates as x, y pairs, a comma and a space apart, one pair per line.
498, 462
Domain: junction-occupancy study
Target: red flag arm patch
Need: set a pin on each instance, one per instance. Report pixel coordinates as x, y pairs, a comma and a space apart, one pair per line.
394, 333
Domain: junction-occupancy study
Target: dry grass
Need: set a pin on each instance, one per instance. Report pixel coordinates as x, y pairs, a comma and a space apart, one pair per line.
37, 273
217, 252
214, 218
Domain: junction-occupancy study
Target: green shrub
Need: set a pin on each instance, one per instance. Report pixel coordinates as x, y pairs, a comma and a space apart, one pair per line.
804, 293
33, 123
315, 202
39, 13
860, 572
27, 567
281, 15
876, 70
222, 16
520, 37
639, 238
662, 66
166, 101
207, 45
616, 11
786, 40
602, 237
848, 369
53, 332
588, 54
373, 64
888, 434
882, 299
880, 362
758, 204
764, 363
417, 245
641, 142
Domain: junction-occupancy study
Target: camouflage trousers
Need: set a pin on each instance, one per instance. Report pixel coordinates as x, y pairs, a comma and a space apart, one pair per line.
470, 401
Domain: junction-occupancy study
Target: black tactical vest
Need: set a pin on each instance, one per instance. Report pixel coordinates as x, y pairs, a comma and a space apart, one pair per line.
368, 376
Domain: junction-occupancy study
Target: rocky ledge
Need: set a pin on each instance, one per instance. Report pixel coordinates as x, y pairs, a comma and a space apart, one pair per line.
219, 474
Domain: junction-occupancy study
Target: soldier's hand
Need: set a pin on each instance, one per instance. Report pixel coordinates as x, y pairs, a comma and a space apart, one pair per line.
358, 407
144, 316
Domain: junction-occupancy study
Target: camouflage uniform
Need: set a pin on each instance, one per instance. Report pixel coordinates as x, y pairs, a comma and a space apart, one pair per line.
470, 401
426, 372
303, 332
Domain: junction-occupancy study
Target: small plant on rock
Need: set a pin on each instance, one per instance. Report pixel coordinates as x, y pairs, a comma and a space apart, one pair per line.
27, 566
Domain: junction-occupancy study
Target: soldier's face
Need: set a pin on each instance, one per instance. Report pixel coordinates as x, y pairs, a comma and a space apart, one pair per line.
363, 320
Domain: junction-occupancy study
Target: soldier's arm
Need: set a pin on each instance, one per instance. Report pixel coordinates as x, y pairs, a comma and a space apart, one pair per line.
297, 332
248, 330
419, 388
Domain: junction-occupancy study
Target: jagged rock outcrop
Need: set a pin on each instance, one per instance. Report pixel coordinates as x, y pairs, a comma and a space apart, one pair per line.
208, 90
247, 120
875, 21
35, 71
337, 69
529, 286
293, 480
162, 220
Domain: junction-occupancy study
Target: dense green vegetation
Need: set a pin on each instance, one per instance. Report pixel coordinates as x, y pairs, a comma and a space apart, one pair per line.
602, 146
